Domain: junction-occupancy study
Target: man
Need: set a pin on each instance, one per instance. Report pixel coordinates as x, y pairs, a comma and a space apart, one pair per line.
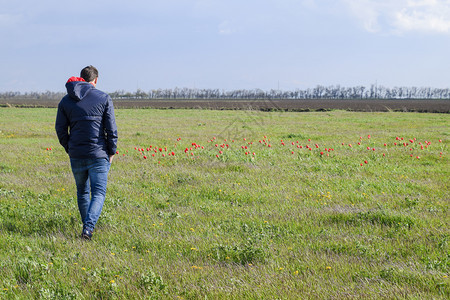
86, 128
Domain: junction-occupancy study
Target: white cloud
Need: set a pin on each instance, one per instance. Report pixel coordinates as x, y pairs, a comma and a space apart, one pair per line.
401, 16
431, 15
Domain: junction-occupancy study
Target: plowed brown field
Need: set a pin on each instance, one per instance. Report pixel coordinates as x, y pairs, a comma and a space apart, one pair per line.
433, 106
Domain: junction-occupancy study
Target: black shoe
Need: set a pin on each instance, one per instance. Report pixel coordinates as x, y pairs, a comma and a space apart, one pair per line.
86, 234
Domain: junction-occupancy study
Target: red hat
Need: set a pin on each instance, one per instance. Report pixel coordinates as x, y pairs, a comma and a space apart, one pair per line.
73, 78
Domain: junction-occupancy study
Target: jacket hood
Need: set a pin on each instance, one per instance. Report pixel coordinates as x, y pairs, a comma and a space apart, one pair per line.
77, 88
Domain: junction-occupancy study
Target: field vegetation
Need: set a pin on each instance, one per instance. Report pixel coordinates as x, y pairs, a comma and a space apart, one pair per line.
232, 204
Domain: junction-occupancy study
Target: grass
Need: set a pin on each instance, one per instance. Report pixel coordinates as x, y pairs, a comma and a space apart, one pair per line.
205, 224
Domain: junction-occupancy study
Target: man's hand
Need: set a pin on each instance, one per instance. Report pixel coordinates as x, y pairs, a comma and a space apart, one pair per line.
111, 157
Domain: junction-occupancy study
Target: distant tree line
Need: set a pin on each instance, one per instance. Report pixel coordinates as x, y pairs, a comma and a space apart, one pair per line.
319, 92
32, 95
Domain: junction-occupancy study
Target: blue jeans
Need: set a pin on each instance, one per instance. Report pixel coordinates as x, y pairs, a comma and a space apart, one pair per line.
91, 176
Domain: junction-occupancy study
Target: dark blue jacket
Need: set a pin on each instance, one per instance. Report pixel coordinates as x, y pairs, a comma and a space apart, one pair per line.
85, 122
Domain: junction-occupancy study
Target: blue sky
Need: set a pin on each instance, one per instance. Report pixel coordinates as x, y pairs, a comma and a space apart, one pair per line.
228, 45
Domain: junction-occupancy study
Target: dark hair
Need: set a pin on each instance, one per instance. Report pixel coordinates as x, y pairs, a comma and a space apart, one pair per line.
89, 73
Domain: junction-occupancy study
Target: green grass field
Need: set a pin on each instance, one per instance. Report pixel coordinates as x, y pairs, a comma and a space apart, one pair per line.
204, 217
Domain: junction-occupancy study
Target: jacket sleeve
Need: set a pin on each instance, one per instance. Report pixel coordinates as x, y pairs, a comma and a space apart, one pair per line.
109, 120
62, 128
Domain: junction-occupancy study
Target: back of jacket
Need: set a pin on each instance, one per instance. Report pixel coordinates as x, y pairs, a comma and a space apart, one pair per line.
85, 122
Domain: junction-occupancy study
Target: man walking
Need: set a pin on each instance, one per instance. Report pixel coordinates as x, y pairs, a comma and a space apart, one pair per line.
86, 128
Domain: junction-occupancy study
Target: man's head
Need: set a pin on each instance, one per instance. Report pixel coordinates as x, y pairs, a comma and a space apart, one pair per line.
90, 74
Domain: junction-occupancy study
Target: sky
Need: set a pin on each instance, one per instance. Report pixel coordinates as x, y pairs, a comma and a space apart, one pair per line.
232, 44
